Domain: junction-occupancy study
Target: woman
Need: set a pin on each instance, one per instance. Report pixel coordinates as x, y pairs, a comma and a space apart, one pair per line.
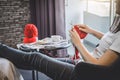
105, 67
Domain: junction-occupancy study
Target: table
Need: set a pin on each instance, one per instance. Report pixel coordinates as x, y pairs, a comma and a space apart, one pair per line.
39, 46
46, 45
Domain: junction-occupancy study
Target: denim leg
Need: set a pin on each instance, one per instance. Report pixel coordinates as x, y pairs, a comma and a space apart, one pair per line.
67, 60
53, 68
17, 57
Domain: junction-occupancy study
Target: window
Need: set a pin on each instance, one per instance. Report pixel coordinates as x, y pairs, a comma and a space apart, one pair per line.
98, 14
99, 7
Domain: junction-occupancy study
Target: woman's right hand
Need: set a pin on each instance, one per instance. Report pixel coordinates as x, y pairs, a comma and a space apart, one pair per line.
85, 28
89, 30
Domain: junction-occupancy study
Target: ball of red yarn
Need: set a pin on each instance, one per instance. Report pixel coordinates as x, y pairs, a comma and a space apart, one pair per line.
29, 40
30, 33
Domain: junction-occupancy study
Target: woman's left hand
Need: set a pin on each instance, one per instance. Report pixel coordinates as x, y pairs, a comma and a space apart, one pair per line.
76, 40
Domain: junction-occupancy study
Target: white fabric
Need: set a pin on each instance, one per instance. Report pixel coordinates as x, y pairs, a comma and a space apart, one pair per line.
108, 41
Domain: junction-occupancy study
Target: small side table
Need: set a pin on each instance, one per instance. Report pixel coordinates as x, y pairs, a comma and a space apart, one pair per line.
50, 47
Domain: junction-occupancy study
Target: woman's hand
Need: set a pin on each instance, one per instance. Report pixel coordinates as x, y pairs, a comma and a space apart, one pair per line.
85, 28
89, 30
75, 37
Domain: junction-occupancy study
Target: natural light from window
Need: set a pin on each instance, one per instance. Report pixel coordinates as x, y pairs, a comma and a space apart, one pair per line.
99, 7
94, 13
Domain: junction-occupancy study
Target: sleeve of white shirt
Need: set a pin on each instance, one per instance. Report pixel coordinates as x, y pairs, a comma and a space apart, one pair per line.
116, 45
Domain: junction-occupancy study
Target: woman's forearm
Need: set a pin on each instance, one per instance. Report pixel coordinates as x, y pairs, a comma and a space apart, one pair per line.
97, 34
86, 54
89, 30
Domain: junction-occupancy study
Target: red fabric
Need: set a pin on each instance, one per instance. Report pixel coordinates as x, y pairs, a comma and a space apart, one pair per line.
30, 33
82, 35
29, 40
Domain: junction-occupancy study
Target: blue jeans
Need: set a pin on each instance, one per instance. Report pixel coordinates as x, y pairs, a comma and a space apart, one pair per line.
59, 70
53, 68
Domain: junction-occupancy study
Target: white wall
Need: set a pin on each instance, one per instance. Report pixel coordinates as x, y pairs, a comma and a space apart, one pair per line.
74, 14
97, 22
97, 17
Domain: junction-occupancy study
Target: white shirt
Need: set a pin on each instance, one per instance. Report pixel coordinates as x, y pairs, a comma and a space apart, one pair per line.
108, 41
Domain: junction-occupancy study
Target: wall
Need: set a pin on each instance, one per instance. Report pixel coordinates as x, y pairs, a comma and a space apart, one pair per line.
74, 15
97, 22
14, 14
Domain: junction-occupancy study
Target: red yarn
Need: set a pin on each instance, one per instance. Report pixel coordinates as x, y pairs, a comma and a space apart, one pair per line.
29, 40
30, 33
82, 35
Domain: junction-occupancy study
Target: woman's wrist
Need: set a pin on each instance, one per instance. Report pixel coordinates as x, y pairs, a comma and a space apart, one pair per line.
79, 44
91, 31
96, 33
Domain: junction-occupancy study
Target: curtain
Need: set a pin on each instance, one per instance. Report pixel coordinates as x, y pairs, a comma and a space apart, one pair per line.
48, 16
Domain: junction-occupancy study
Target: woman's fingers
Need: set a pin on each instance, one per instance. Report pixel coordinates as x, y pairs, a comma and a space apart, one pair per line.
74, 34
85, 28
82, 29
75, 39
73, 31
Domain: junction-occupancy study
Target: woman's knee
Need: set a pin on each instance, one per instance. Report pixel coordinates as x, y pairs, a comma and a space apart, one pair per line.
90, 71
86, 70
80, 67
